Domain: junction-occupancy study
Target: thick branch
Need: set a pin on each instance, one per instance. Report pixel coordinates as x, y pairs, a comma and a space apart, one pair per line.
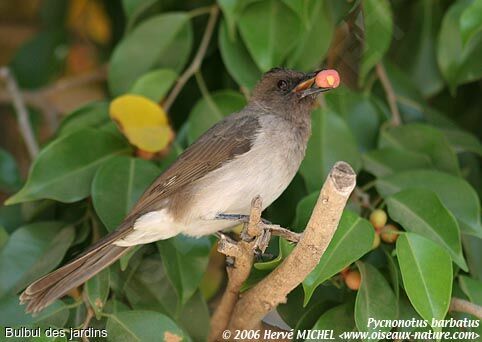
273, 289
21, 111
239, 272
462, 305
391, 98
196, 62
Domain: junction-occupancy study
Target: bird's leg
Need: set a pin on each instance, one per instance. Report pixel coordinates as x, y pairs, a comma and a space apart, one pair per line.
237, 217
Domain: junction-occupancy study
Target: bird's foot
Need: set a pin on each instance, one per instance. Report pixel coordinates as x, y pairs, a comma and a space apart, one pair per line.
237, 217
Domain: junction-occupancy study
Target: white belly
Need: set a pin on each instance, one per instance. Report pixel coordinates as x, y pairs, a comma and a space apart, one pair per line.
266, 170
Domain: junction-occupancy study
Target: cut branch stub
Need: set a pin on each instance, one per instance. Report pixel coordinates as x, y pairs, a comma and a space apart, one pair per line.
273, 289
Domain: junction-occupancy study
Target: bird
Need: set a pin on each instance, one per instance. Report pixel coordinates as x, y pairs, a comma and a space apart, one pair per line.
254, 152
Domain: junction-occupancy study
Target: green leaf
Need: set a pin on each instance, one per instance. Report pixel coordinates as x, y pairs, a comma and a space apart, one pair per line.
139, 325
92, 115
393, 271
359, 112
352, 240
147, 286
25, 249
14, 315
64, 169
330, 142
472, 289
237, 59
194, 318
462, 141
316, 36
97, 290
3, 237
51, 257
9, 174
284, 248
378, 23
155, 84
117, 186
459, 64
210, 110
471, 21
163, 41
375, 299
420, 211
423, 139
231, 9
473, 254
454, 192
389, 160
339, 319
134, 8
185, 260
427, 275
416, 51
40, 50
269, 40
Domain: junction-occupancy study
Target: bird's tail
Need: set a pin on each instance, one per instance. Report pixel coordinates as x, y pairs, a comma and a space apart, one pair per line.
54, 285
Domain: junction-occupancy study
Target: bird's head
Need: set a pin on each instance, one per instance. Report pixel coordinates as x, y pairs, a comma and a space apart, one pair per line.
291, 92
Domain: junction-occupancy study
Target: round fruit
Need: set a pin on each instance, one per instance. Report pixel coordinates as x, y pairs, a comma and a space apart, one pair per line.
389, 233
353, 280
378, 218
327, 79
376, 241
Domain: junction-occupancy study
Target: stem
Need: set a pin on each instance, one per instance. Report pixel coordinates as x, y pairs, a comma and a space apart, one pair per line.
197, 61
21, 111
462, 305
391, 97
199, 11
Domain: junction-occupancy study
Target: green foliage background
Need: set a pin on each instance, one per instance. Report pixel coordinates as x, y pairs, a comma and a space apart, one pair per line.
425, 172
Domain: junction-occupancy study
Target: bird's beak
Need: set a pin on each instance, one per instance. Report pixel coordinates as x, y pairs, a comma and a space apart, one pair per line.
309, 86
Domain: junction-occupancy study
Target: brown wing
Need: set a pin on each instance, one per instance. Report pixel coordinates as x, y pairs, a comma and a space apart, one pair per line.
230, 137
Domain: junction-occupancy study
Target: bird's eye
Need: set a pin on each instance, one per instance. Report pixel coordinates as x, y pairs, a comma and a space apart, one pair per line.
282, 84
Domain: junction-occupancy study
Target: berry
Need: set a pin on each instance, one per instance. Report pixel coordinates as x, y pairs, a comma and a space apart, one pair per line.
353, 280
327, 79
388, 233
378, 218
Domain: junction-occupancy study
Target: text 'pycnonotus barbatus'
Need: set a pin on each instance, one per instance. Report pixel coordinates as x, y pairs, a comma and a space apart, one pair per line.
256, 151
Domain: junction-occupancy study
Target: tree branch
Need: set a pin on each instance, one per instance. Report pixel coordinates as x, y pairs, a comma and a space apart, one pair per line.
239, 272
391, 97
462, 305
273, 289
196, 62
21, 110
248, 311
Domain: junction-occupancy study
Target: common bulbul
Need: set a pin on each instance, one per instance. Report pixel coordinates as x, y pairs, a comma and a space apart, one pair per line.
256, 151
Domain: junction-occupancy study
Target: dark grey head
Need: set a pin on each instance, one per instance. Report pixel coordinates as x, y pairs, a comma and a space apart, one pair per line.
286, 91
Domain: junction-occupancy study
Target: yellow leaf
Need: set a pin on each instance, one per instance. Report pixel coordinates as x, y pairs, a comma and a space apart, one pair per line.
142, 121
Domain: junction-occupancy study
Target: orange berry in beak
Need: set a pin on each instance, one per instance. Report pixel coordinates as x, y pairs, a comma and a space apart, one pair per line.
327, 79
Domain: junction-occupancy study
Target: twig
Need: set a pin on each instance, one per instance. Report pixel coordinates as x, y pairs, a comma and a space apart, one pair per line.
199, 11
88, 316
462, 305
243, 254
197, 61
391, 97
284, 233
273, 289
22, 113
39, 98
